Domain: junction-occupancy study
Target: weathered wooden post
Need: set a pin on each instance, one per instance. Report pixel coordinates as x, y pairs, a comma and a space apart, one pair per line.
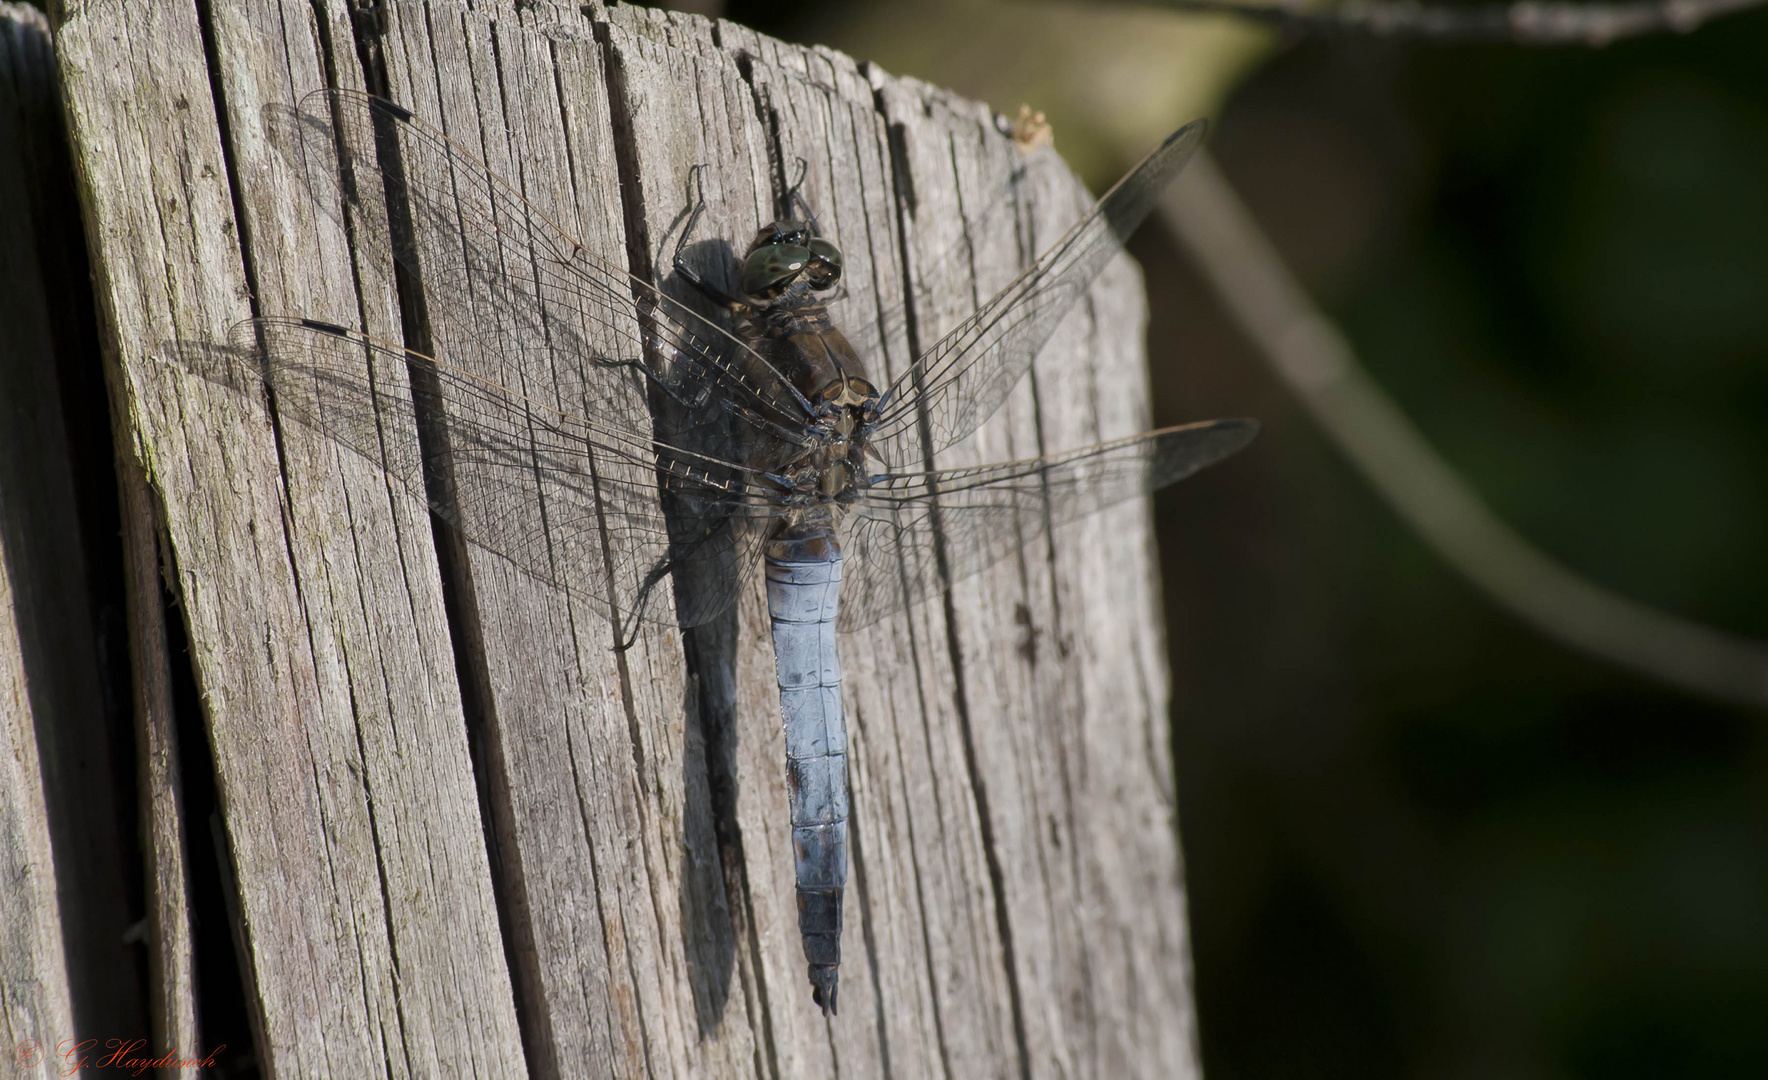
65, 875
462, 833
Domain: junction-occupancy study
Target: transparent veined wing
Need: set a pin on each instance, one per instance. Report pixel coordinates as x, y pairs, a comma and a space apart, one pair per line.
960, 381
566, 499
914, 532
507, 284
876, 332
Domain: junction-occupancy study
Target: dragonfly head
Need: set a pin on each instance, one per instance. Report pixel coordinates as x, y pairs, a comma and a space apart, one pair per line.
784, 253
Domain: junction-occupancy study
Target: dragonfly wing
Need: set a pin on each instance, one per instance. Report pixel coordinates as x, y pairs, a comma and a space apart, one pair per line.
876, 333
913, 533
566, 500
504, 280
965, 377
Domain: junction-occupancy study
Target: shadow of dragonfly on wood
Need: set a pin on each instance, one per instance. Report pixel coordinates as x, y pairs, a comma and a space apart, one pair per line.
683, 448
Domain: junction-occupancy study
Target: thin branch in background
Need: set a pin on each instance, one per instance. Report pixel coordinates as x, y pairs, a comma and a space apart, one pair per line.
1314, 360
1526, 22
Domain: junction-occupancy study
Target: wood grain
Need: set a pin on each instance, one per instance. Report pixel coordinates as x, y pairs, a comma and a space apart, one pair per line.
37, 1008
66, 962
318, 640
468, 835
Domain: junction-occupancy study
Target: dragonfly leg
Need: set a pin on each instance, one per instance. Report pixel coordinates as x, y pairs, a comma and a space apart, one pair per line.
679, 552
795, 198
691, 401
712, 292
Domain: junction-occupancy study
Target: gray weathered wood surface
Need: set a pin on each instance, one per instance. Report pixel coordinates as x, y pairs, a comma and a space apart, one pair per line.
35, 1001
64, 961
389, 791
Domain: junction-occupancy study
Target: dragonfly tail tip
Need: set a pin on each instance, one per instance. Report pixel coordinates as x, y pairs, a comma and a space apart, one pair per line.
823, 986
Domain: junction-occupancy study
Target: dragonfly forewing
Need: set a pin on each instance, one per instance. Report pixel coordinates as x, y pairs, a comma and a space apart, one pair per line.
508, 282
965, 377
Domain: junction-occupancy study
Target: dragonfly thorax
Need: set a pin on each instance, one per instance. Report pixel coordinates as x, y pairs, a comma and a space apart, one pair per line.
803, 348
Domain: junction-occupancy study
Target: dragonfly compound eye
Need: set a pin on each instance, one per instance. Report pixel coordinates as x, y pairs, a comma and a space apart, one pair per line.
781, 232
770, 268
825, 264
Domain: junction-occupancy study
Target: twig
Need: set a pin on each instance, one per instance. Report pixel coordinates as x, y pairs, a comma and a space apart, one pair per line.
1316, 362
1526, 22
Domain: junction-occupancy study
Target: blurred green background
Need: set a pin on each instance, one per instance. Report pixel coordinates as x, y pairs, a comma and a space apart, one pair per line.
1421, 840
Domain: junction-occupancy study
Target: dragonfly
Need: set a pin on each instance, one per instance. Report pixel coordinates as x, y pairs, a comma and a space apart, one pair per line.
603, 436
